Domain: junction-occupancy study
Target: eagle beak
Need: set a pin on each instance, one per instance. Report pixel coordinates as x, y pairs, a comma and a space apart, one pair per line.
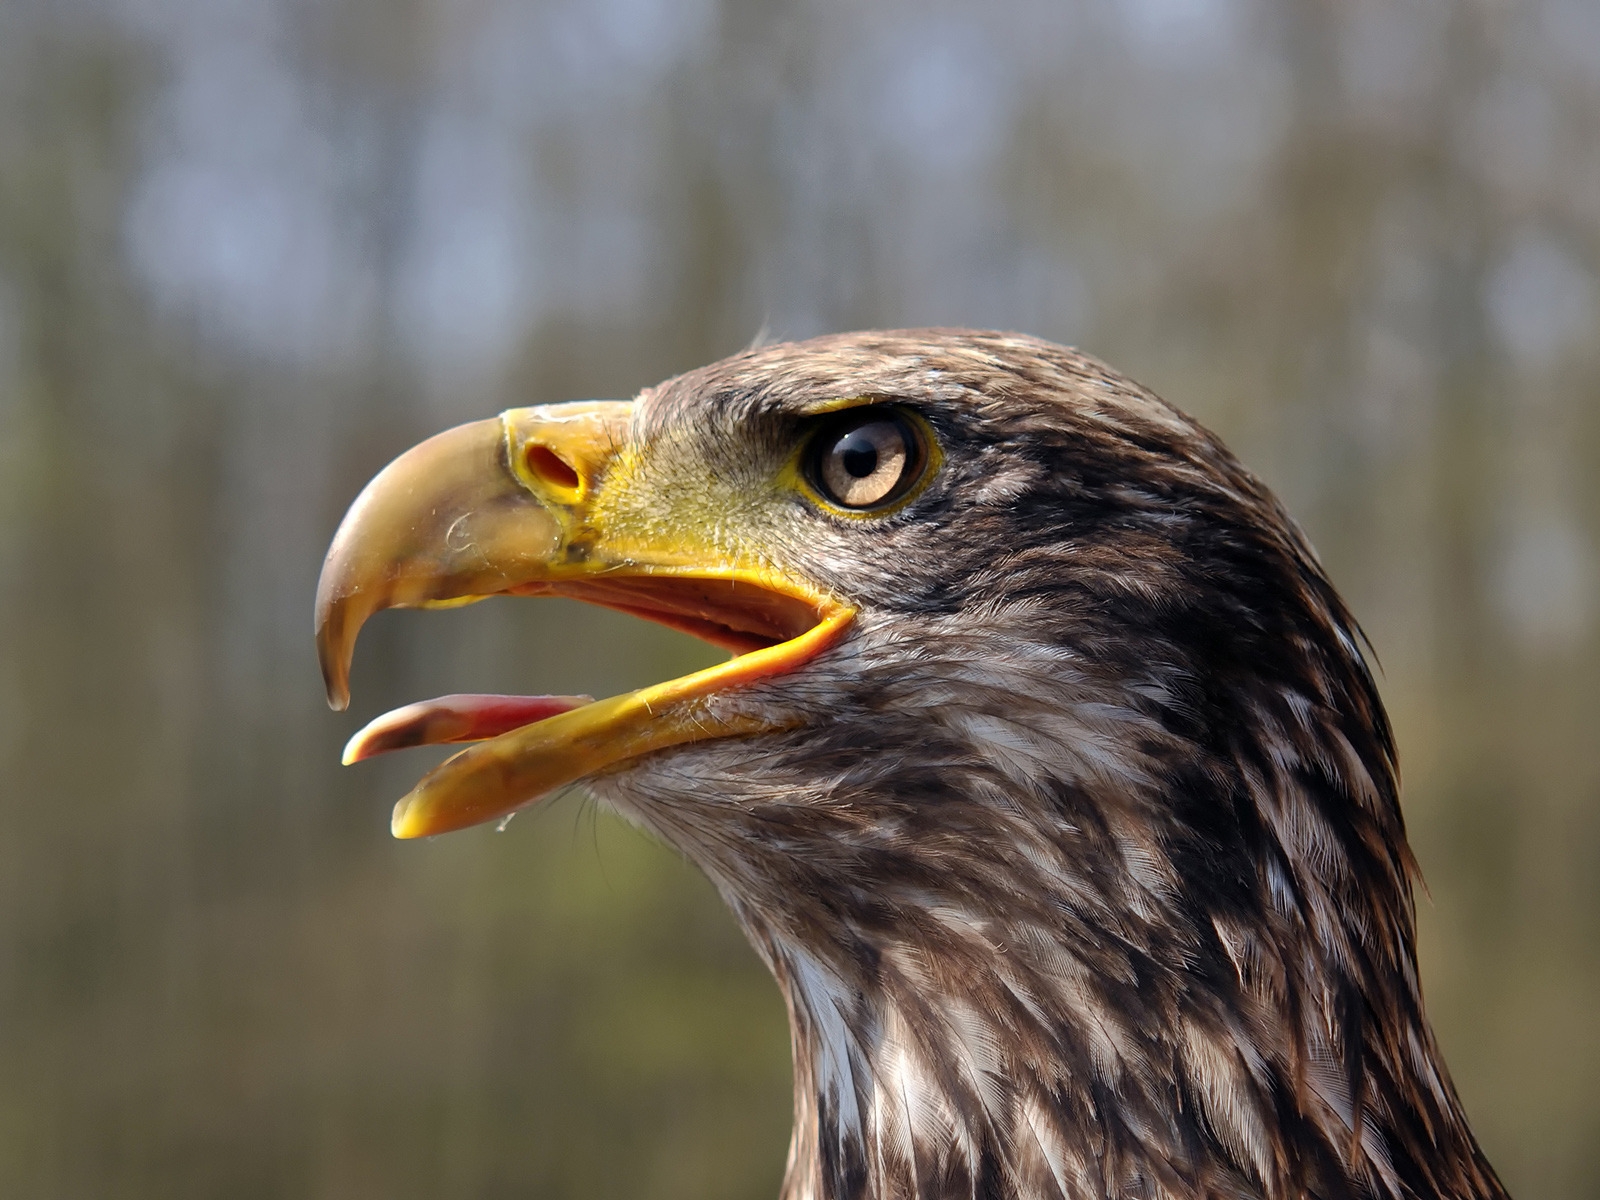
517, 505
445, 522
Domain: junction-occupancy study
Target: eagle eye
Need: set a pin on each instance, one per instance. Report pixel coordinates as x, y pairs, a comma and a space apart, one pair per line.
866, 457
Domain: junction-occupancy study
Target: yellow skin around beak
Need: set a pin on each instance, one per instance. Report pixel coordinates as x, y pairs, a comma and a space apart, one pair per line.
515, 505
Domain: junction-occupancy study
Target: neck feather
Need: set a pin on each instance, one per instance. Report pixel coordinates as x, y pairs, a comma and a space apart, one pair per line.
1079, 946
1182, 972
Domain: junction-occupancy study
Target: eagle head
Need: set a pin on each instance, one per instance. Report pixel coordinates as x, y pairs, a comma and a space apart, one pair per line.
1047, 775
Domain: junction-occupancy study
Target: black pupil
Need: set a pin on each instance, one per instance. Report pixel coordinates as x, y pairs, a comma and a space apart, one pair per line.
857, 455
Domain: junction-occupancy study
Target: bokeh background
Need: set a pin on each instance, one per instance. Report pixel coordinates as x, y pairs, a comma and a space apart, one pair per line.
251, 249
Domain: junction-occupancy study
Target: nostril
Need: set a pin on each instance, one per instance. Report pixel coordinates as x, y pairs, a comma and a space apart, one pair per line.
544, 463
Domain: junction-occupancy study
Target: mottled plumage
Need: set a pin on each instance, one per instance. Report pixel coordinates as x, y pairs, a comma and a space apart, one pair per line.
1083, 872
1049, 778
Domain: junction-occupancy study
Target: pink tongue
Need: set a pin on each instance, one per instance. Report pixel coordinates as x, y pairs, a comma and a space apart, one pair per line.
468, 717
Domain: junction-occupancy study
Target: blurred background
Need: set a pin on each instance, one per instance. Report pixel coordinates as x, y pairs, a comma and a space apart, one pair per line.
251, 249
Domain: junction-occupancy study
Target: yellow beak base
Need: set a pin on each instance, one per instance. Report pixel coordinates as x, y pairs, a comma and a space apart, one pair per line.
508, 506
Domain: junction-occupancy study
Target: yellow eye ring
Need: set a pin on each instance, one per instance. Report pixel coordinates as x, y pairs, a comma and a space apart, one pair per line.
865, 459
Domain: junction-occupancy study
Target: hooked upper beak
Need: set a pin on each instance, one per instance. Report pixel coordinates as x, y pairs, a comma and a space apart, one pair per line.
517, 505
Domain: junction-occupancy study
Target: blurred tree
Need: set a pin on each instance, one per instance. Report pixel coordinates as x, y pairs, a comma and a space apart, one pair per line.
248, 252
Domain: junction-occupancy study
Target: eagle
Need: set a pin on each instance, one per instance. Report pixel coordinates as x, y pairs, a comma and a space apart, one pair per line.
1047, 773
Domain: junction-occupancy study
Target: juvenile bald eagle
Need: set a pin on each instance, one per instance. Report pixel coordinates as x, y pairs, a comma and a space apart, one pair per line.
1047, 777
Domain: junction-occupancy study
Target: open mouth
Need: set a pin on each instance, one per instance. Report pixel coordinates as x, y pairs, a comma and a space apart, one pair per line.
509, 507
530, 746
769, 632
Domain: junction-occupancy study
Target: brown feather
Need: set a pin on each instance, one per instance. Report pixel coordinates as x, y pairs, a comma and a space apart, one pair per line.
1084, 874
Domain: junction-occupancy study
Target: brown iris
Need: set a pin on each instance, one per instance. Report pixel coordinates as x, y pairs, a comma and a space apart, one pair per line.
866, 458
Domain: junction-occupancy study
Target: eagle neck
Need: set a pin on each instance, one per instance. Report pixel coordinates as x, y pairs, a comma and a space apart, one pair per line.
1088, 1025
